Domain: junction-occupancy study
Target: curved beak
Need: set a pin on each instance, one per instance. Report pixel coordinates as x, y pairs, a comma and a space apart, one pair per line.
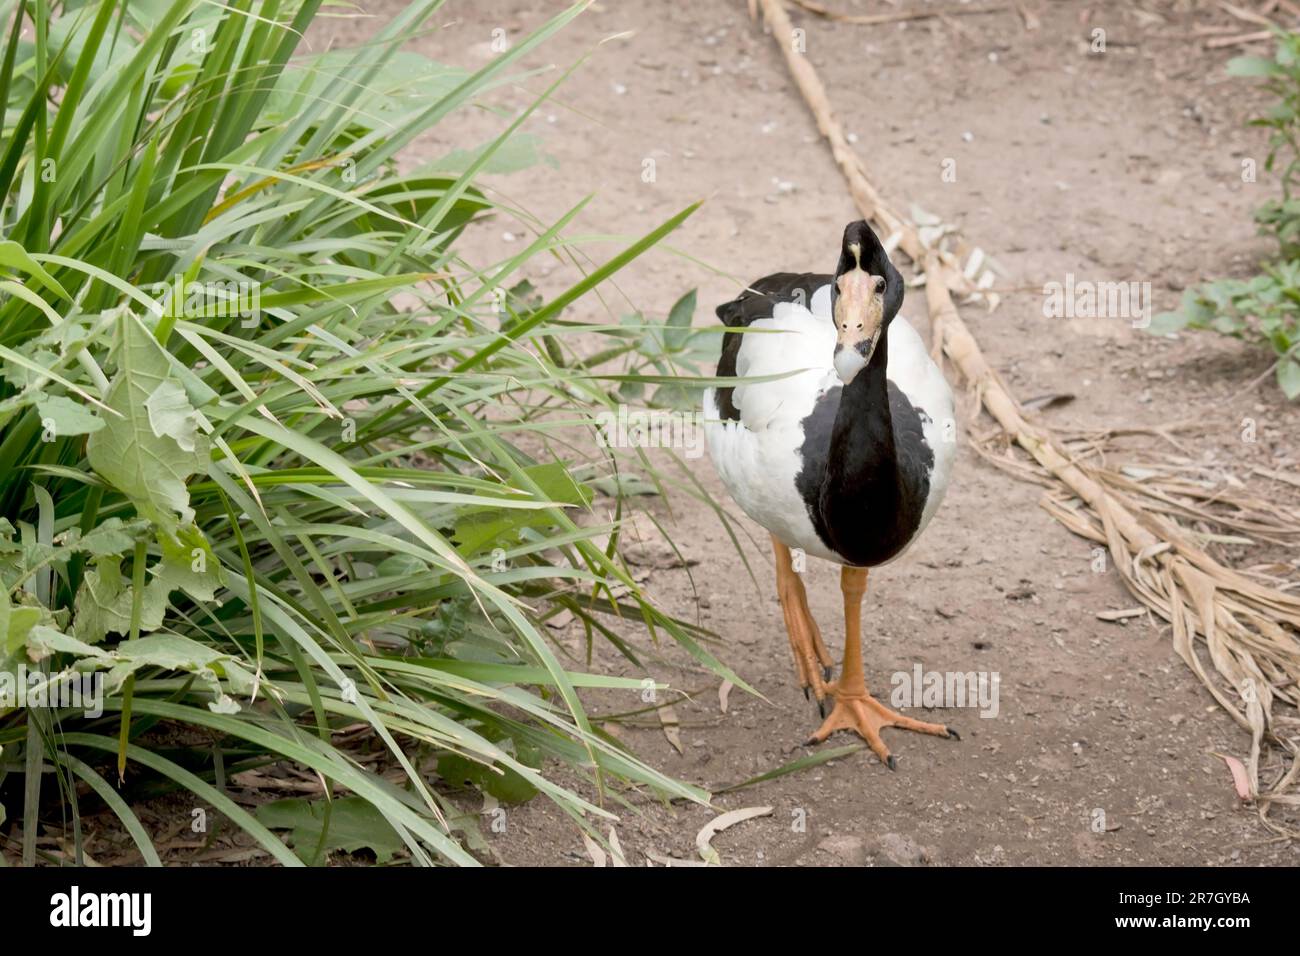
859, 313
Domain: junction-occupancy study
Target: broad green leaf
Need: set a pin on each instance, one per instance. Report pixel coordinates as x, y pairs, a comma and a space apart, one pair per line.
354, 824
174, 652
30, 369
479, 527
1162, 323
679, 321
682, 398
172, 415
16, 623
45, 641
103, 603
112, 536
1252, 66
503, 783
171, 651
188, 565
64, 417
1288, 377
148, 467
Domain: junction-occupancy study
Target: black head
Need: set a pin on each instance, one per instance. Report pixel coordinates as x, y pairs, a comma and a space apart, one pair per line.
866, 294
873, 260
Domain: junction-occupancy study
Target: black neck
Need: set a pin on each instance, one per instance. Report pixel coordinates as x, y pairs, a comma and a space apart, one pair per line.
862, 441
862, 489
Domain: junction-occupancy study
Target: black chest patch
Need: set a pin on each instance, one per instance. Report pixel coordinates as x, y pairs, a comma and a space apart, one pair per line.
868, 517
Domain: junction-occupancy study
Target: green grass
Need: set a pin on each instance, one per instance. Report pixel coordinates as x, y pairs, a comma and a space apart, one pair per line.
1264, 308
349, 507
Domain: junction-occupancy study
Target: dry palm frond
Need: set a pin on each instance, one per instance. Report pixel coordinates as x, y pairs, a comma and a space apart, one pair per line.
1236, 631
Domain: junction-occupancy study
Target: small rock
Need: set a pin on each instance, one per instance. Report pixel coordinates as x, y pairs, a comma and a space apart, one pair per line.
849, 850
894, 849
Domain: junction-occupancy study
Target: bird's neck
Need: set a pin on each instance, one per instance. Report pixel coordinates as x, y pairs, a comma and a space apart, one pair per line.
862, 440
862, 477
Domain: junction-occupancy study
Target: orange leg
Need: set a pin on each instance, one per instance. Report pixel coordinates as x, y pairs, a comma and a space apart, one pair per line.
855, 709
812, 662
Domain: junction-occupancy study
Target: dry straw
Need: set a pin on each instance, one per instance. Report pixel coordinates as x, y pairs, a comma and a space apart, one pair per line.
1235, 628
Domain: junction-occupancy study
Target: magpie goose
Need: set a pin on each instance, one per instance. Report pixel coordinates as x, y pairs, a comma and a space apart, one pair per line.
846, 457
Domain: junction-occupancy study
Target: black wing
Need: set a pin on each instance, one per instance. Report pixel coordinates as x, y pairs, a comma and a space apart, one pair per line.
758, 302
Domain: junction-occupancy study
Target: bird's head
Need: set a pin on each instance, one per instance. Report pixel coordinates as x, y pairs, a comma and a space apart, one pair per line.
865, 296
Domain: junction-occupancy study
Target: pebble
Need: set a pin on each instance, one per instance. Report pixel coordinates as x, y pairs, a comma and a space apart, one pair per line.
847, 849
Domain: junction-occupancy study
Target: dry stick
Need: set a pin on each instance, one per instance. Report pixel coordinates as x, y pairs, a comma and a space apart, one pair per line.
1244, 38
1240, 620
876, 19
1278, 476
1250, 16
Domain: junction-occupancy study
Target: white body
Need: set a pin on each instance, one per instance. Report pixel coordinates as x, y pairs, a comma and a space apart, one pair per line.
758, 457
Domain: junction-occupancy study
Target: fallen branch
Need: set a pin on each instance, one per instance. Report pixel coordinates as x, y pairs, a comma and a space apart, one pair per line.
1249, 16
1247, 629
898, 16
1240, 40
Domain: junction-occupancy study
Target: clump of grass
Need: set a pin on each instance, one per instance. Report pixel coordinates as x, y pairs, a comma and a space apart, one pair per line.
1264, 308
247, 484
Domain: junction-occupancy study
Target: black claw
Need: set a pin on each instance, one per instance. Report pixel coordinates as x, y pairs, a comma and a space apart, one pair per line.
805, 693
821, 708
891, 763
826, 672
953, 734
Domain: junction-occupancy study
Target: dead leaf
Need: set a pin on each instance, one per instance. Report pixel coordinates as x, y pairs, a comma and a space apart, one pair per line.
717, 825
616, 849
561, 620
1050, 400
724, 693
1240, 781
668, 718
1121, 615
594, 850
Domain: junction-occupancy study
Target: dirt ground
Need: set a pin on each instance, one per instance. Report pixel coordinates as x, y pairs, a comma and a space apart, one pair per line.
1117, 166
